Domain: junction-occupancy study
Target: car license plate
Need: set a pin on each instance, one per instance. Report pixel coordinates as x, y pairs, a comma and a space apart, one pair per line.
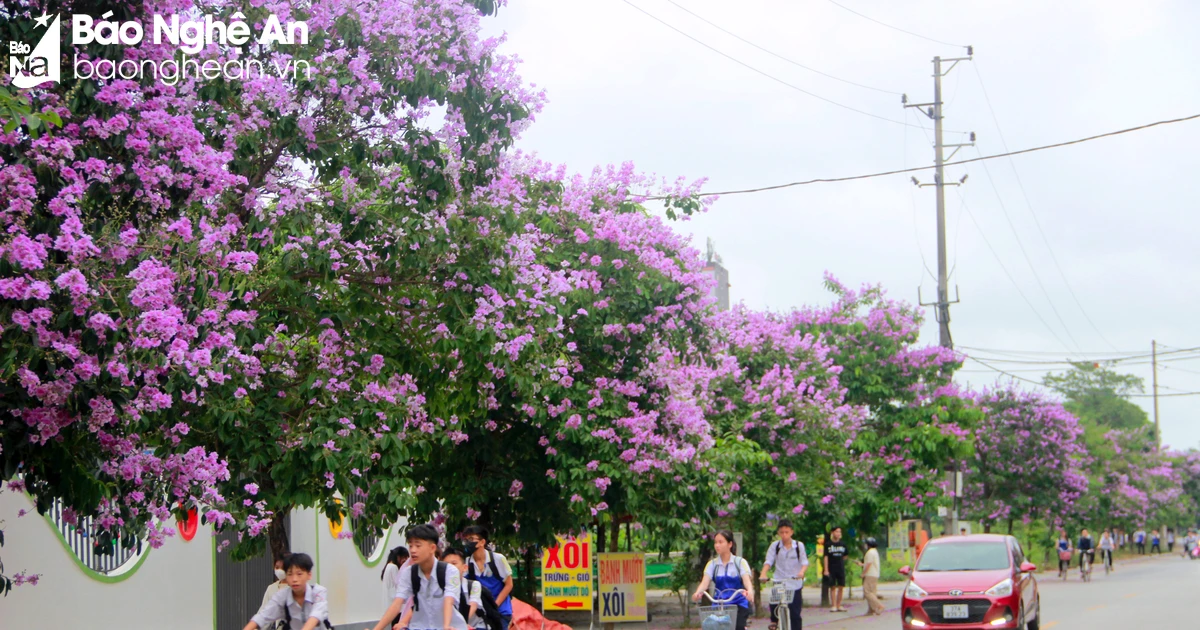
955, 611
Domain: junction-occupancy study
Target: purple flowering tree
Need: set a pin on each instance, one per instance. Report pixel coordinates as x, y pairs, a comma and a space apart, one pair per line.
1029, 460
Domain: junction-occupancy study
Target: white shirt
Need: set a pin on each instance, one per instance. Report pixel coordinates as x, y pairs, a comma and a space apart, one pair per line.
316, 604
431, 598
485, 569
788, 562
391, 581
475, 597
871, 563
715, 567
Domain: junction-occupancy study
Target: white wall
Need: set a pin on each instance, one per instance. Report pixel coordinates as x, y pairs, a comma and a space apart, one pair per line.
173, 587
355, 591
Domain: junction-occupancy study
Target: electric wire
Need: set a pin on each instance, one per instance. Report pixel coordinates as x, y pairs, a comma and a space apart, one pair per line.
775, 54
1010, 277
1021, 185
1029, 380
894, 28
761, 72
1025, 254
916, 169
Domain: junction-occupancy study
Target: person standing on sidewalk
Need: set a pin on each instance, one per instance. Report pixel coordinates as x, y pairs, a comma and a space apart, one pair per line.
790, 561
835, 569
1155, 547
870, 565
1139, 539
1170, 540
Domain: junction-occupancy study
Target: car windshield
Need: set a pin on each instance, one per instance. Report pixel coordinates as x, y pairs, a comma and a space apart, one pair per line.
965, 556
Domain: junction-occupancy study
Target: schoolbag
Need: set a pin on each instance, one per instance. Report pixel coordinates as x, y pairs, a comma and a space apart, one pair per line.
779, 546
491, 564
490, 612
734, 560
439, 569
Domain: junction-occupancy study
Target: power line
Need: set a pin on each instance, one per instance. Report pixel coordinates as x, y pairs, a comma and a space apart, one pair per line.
894, 28
1029, 380
765, 74
1025, 254
915, 169
1000, 262
1021, 185
1134, 359
775, 54
1035, 352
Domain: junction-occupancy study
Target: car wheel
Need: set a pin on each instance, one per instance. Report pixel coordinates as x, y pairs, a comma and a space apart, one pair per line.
1037, 618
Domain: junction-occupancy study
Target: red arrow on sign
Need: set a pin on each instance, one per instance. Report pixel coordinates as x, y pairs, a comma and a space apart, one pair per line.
561, 604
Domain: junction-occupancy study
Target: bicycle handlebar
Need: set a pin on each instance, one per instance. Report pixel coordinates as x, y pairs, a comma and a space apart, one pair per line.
740, 591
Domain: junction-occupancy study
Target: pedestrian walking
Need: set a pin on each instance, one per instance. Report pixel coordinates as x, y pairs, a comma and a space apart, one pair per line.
870, 565
790, 562
835, 569
728, 573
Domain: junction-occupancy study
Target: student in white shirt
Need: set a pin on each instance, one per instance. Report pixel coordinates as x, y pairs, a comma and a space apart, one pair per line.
279, 584
303, 606
790, 561
434, 590
870, 565
490, 568
397, 559
472, 590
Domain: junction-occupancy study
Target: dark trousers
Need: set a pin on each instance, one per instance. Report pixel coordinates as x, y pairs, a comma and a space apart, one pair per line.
505, 620
1170, 547
793, 611
743, 617
1154, 548
1141, 548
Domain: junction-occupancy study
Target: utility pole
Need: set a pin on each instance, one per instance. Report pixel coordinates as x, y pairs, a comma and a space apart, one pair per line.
1154, 380
942, 304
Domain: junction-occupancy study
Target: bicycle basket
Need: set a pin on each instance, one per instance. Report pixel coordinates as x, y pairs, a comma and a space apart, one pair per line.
718, 617
1064, 555
780, 594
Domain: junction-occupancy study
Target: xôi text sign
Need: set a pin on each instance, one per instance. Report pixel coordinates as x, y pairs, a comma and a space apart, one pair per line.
622, 587
567, 575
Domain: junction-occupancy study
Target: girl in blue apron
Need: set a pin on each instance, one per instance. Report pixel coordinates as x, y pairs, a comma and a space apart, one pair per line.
728, 574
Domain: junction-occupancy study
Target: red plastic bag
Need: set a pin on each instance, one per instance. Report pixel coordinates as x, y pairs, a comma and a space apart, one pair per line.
526, 617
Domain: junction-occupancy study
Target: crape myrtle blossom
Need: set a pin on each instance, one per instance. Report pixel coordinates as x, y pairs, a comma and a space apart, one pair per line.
220, 256
1029, 459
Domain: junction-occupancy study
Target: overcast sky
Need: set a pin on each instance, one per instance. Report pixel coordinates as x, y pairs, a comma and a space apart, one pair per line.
1118, 214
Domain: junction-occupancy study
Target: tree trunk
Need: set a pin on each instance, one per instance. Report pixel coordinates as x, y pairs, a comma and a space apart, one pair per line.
629, 536
752, 558
614, 546
987, 528
277, 533
1010, 526
601, 536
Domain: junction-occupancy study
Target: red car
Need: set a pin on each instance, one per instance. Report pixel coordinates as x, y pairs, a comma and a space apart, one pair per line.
971, 583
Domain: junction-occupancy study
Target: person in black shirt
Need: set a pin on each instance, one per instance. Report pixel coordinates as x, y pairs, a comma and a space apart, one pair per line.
835, 568
1085, 546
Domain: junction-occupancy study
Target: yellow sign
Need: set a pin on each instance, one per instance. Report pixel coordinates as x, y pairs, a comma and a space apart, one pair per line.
567, 575
622, 587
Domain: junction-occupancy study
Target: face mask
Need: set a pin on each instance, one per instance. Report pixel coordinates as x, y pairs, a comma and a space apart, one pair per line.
470, 547
279, 574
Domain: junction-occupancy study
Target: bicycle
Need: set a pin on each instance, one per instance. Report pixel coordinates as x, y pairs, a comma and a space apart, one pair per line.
1085, 566
1106, 558
722, 614
780, 597
1063, 570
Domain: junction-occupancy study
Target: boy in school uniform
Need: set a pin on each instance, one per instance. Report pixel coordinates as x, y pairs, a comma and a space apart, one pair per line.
790, 561
302, 606
490, 569
432, 586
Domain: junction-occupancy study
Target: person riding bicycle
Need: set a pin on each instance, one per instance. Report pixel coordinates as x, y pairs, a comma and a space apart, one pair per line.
1086, 548
728, 574
1065, 551
1107, 546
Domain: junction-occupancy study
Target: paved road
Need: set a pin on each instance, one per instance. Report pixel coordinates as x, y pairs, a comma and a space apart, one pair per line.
1161, 593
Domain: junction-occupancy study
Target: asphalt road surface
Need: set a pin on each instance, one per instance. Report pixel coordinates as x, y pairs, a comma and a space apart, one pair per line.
1160, 593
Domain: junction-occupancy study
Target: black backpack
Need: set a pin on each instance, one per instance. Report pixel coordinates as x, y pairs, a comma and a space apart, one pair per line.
490, 612
491, 564
439, 569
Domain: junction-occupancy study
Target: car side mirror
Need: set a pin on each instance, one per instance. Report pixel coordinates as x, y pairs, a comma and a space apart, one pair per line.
1028, 567
905, 570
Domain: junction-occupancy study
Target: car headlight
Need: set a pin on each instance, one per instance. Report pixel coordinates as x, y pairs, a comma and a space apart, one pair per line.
912, 591
1002, 589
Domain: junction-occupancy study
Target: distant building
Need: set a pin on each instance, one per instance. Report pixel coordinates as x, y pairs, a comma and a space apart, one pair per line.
720, 274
